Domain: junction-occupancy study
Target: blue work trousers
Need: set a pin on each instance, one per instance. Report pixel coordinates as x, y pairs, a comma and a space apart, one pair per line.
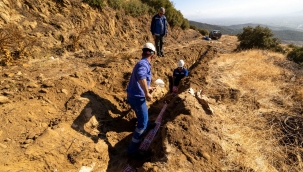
138, 104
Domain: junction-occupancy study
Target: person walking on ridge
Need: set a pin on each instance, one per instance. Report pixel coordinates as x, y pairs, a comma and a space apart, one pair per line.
179, 73
138, 91
158, 29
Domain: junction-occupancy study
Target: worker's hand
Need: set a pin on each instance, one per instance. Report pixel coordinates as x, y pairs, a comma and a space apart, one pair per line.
152, 89
148, 97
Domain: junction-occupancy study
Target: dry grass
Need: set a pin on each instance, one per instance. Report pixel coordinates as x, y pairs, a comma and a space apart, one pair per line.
252, 136
77, 36
14, 44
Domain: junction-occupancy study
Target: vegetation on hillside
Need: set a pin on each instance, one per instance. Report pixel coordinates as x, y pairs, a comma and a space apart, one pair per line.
200, 30
224, 30
296, 55
236, 29
260, 38
140, 7
14, 44
288, 35
266, 111
95, 3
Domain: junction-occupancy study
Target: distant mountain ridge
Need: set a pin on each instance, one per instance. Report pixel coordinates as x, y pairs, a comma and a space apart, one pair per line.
285, 34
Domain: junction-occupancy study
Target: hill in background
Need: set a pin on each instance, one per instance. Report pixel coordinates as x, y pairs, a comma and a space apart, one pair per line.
285, 34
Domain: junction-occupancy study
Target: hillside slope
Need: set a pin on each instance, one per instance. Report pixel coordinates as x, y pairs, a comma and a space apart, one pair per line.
66, 110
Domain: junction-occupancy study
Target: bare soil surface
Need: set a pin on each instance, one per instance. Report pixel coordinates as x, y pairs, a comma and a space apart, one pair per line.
64, 70
67, 110
65, 113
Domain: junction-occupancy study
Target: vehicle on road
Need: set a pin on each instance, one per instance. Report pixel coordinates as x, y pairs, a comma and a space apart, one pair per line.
215, 34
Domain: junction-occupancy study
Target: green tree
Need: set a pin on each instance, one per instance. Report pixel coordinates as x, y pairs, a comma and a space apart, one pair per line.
258, 37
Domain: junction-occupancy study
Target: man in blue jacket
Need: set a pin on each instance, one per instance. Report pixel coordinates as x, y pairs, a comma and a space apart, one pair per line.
158, 29
138, 91
179, 73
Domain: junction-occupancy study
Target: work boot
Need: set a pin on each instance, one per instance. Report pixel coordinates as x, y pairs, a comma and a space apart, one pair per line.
162, 54
133, 148
150, 125
138, 155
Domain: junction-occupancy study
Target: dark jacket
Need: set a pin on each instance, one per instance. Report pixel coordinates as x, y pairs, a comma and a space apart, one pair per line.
158, 25
178, 75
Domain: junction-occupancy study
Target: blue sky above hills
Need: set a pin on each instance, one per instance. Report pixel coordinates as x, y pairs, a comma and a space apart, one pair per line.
196, 9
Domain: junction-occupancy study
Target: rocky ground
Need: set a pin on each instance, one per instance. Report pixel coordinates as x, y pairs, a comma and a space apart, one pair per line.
63, 108
65, 113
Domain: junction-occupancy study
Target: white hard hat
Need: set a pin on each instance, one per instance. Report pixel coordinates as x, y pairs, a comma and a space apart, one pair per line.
149, 46
160, 82
180, 63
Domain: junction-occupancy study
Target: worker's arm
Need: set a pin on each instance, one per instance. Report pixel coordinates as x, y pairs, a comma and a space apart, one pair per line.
186, 72
144, 87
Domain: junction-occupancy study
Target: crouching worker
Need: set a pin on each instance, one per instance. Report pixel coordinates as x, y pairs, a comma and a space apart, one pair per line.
179, 73
138, 91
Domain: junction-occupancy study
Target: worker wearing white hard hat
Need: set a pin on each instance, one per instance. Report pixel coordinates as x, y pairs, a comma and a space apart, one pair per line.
179, 73
138, 91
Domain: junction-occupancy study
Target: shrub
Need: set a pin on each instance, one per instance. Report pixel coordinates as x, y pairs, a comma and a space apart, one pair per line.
174, 17
76, 38
292, 46
135, 8
203, 32
193, 27
296, 55
115, 4
156, 4
185, 24
258, 37
14, 44
95, 3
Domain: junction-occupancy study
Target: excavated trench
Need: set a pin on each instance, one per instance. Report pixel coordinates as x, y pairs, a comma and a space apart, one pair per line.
112, 118
175, 106
87, 118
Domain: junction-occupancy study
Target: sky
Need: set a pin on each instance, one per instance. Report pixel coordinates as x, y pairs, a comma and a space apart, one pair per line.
196, 9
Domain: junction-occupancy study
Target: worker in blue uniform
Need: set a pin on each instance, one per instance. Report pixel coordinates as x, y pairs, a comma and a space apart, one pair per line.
179, 73
138, 92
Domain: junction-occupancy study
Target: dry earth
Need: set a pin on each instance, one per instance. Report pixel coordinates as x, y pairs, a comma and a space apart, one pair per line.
66, 111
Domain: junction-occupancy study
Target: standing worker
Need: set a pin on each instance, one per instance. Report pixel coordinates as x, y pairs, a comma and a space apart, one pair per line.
158, 29
138, 91
179, 73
